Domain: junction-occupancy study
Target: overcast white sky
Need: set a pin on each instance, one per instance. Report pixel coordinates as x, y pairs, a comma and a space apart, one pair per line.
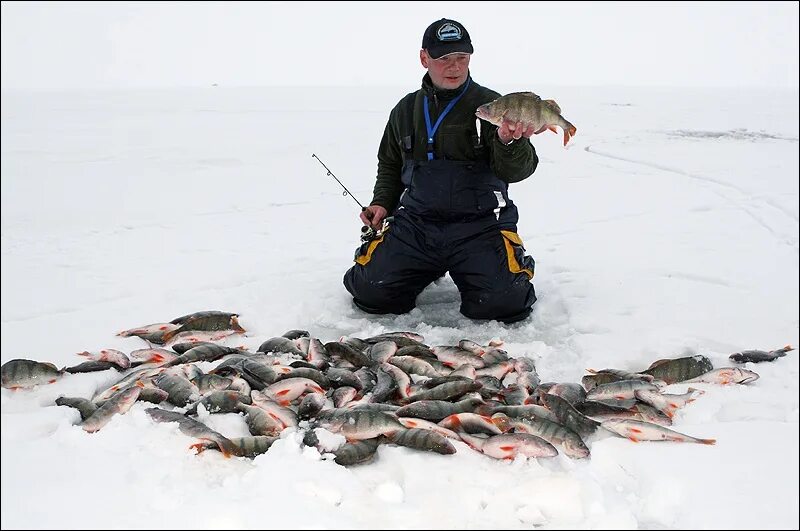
168, 44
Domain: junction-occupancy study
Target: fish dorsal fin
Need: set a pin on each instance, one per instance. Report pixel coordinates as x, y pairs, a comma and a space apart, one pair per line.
525, 95
554, 105
657, 363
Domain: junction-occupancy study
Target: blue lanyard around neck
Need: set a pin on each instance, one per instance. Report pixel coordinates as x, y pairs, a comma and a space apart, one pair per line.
432, 130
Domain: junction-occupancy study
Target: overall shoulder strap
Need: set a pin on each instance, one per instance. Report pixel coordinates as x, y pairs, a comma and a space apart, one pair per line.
407, 125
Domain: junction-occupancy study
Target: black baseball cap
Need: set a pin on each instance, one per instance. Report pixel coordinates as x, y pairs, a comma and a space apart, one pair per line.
446, 36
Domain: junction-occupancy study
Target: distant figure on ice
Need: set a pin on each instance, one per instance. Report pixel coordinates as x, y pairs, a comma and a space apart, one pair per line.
444, 177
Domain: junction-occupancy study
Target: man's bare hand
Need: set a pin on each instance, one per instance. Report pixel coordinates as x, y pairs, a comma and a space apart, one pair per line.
373, 216
509, 131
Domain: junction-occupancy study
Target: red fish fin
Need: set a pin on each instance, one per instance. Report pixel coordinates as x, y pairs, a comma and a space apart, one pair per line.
452, 420
198, 447
569, 133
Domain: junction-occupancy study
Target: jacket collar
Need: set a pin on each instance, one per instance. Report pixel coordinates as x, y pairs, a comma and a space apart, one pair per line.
441, 94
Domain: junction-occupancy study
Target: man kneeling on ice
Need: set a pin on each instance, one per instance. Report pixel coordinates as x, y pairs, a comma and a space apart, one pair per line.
444, 176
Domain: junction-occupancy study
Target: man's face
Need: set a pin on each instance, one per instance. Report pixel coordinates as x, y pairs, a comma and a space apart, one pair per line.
447, 72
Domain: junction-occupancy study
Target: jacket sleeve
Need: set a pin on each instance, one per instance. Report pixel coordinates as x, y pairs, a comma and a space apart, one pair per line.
388, 185
514, 162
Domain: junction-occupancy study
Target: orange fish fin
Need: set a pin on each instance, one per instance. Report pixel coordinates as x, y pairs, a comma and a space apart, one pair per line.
198, 447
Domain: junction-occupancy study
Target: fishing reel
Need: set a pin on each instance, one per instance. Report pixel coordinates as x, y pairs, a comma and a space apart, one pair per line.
368, 233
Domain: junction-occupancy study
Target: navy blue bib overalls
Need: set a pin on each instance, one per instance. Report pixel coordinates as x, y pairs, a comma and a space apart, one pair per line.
456, 217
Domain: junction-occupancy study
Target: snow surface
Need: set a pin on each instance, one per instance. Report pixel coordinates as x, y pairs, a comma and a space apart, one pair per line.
668, 226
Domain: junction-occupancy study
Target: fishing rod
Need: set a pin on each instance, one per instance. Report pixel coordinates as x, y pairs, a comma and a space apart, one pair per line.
367, 233
346, 191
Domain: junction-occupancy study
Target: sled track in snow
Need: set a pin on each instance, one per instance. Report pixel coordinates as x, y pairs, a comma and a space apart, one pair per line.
718, 188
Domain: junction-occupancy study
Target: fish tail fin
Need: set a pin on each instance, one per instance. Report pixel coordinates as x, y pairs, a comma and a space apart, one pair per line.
236, 326
569, 133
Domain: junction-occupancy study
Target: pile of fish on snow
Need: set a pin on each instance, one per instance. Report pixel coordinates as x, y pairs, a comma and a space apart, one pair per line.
386, 389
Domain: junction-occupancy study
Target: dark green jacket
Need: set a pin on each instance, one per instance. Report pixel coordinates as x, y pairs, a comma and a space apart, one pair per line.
455, 139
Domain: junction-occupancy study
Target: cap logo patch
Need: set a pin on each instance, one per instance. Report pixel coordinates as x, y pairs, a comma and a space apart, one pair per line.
449, 32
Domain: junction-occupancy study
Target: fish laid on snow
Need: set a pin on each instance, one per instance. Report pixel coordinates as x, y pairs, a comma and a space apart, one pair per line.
569, 416
92, 366
110, 355
354, 452
205, 321
436, 410
619, 390
422, 439
668, 404
510, 445
636, 431
84, 406
726, 376
21, 373
120, 403
552, 432
251, 446
757, 356
386, 388
193, 428
679, 369
152, 333
526, 107
358, 424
